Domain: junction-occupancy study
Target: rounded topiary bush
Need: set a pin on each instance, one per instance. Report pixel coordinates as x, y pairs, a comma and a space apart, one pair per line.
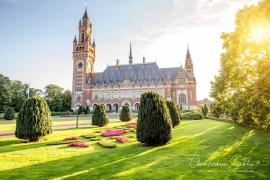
154, 123
9, 114
34, 119
192, 115
125, 114
100, 117
174, 113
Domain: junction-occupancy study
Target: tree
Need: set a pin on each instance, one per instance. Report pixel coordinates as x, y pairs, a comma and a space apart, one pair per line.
154, 123
34, 120
66, 100
4, 97
58, 100
52, 91
174, 113
18, 94
87, 110
4, 93
242, 87
125, 114
100, 117
204, 110
217, 109
9, 114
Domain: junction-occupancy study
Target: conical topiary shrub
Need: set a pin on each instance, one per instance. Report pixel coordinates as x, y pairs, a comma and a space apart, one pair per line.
125, 114
174, 113
34, 119
154, 123
100, 117
9, 114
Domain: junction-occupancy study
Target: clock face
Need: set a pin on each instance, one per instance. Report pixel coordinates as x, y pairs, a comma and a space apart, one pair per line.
80, 65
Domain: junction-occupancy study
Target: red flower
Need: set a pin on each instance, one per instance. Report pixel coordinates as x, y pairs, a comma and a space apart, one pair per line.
113, 133
78, 144
70, 138
122, 139
132, 125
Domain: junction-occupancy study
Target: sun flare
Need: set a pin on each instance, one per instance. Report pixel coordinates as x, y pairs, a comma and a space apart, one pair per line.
260, 32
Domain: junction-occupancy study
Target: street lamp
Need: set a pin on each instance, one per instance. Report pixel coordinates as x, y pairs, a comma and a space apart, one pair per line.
77, 106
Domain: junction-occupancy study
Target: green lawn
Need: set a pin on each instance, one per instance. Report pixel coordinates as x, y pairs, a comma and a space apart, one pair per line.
224, 151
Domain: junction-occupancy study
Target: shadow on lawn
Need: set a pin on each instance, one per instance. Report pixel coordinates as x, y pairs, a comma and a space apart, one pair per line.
136, 161
4, 143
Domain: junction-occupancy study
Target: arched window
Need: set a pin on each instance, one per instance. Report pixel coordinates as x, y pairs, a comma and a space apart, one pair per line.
115, 107
82, 37
109, 107
137, 106
182, 99
94, 106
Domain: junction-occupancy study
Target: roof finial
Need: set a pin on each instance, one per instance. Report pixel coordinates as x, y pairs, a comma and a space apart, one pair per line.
75, 39
85, 11
130, 54
85, 5
188, 53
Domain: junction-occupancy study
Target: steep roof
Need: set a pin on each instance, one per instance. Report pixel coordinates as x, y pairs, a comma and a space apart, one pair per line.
144, 72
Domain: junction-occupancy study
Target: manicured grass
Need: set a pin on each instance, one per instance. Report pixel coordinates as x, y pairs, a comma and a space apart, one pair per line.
221, 148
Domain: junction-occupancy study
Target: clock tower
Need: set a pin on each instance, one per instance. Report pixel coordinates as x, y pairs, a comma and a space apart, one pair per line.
84, 52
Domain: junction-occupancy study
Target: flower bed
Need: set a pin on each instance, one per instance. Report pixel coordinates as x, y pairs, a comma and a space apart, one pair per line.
78, 144
70, 138
132, 125
122, 139
113, 133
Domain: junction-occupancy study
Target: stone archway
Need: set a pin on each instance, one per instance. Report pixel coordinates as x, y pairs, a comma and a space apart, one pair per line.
136, 106
115, 107
109, 107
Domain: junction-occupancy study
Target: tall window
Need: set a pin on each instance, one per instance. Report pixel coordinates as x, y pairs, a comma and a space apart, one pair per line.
182, 99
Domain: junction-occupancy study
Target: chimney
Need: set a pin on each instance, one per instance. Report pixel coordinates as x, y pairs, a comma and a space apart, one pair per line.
117, 62
144, 60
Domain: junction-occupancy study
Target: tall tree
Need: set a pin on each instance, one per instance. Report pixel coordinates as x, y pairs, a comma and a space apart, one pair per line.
242, 86
4, 93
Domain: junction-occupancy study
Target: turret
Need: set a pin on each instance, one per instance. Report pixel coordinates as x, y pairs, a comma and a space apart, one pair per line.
188, 62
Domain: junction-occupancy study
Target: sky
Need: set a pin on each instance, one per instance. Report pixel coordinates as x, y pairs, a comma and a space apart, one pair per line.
36, 36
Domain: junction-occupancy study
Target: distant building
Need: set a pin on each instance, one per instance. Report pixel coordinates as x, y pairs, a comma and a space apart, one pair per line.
123, 84
204, 101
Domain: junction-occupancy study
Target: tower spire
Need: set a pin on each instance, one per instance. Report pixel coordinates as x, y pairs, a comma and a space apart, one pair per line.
130, 54
188, 55
85, 11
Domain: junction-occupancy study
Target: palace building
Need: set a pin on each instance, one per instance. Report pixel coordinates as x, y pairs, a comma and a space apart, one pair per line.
123, 84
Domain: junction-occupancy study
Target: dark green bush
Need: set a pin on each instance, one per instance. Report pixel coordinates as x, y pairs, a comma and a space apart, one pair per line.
204, 110
174, 113
34, 119
9, 114
154, 123
100, 117
87, 110
61, 113
125, 114
192, 115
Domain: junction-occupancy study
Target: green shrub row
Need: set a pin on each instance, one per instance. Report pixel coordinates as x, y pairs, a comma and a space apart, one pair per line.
192, 115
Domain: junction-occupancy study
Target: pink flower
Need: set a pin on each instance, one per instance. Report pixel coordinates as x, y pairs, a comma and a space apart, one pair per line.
122, 139
70, 138
113, 133
132, 125
78, 144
